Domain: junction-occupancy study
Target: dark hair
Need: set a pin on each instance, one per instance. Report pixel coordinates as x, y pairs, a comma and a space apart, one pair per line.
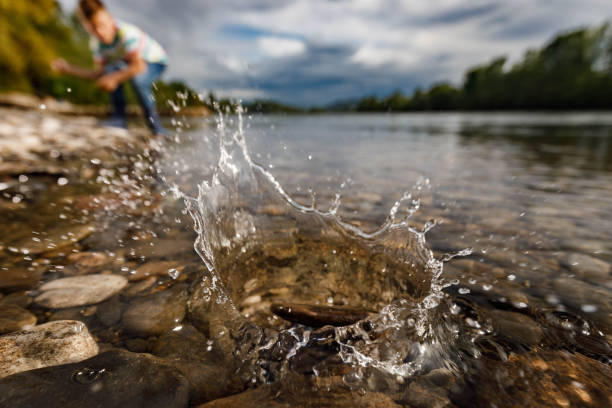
90, 7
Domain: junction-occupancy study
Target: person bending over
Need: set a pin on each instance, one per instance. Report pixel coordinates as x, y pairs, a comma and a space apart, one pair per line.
122, 52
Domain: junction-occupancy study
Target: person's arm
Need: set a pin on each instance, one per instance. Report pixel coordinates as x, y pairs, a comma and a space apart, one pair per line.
109, 82
60, 65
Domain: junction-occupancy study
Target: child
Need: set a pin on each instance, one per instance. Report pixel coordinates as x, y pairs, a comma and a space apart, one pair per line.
122, 52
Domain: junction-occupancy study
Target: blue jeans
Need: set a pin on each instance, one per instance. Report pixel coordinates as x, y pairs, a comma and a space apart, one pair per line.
141, 84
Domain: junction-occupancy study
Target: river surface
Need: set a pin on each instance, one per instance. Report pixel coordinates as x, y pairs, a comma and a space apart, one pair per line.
463, 259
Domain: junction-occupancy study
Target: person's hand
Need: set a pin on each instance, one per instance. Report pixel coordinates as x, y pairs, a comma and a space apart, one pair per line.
108, 83
60, 65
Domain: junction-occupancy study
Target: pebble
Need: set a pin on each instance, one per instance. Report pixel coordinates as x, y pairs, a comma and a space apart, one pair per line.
49, 344
79, 290
515, 327
86, 262
157, 313
54, 239
19, 278
588, 267
14, 318
116, 378
155, 269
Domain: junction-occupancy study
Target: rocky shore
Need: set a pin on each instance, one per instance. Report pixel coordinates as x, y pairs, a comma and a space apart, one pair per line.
100, 305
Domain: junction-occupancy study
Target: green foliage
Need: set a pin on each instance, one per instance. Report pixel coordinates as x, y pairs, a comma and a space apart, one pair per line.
266, 106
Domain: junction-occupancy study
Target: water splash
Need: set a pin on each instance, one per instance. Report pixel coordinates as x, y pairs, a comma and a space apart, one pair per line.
261, 246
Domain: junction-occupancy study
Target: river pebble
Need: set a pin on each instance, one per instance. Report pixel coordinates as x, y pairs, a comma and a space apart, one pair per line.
588, 267
79, 290
115, 378
14, 318
49, 344
157, 313
19, 278
515, 327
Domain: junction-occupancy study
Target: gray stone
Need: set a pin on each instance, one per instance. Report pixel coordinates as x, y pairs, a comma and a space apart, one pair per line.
209, 375
515, 327
113, 379
48, 344
109, 312
157, 313
79, 290
588, 267
14, 318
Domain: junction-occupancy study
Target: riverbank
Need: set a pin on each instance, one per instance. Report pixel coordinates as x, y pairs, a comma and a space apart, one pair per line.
54, 106
98, 255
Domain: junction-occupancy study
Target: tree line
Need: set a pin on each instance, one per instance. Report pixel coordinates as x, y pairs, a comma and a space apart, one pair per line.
572, 71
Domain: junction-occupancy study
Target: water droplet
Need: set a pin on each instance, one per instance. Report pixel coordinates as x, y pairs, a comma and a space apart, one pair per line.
23, 178
62, 181
464, 291
589, 308
87, 375
511, 277
173, 273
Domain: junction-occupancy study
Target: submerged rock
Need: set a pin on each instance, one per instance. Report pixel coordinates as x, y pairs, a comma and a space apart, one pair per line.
14, 318
318, 316
515, 327
56, 238
543, 379
209, 374
49, 344
157, 313
328, 392
19, 278
79, 290
113, 379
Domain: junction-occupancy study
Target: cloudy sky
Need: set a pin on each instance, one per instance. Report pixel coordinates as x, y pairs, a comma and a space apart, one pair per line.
310, 52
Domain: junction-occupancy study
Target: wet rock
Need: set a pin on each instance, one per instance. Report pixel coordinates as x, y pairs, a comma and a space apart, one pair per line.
588, 267
48, 344
157, 313
163, 248
14, 318
419, 396
113, 379
54, 239
296, 391
137, 345
82, 314
514, 327
318, 316
20, 299
83, 263
210, 376
19, 278
155, 269
141, 286
543, 379
109, 312
593, 301
79, 290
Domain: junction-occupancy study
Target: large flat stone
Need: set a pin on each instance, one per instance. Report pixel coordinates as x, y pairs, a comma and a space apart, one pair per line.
79, 290
49, 344
112, 379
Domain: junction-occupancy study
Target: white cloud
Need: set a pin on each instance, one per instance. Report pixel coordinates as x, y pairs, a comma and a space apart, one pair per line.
352, 47
280, 47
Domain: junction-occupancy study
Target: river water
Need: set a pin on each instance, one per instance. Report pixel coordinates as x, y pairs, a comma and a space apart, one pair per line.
448, 259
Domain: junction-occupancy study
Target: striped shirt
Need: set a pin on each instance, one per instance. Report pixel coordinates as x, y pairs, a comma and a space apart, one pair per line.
129, 41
